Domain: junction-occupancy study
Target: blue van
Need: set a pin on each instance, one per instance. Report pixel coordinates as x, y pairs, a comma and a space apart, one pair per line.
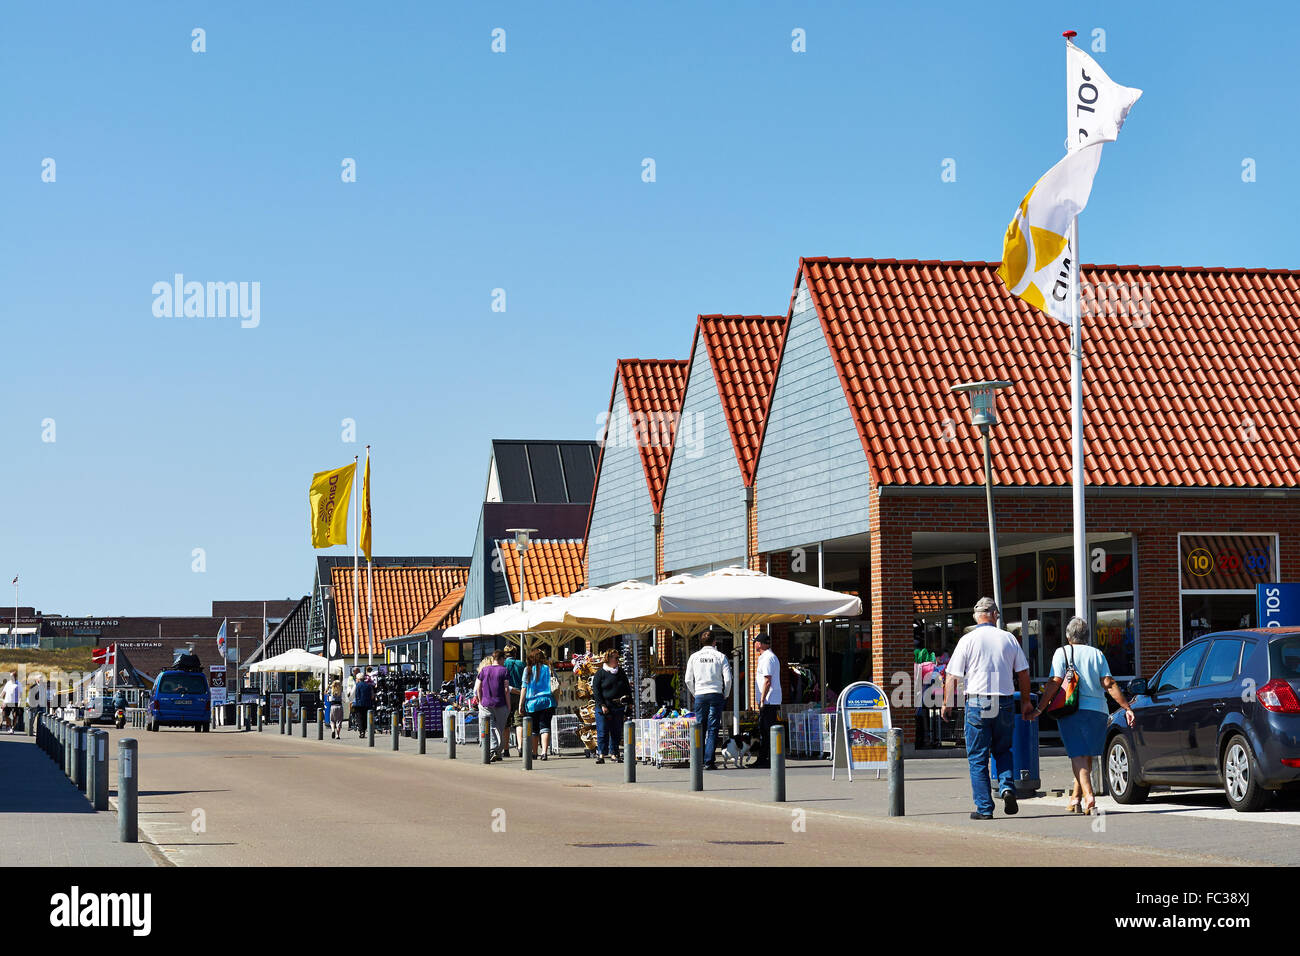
181, 698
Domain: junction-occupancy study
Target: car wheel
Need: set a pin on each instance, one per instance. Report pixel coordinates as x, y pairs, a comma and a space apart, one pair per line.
207, 727
198, 728
1241, 777
1121, 772
151, 726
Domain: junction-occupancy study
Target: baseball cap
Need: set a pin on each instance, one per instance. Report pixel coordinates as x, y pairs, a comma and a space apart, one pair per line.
985, 604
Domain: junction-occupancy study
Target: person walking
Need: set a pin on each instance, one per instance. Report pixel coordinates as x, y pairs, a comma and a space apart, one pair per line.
991, 662
610, 692
335, 712
10, 695
1084, 732
492, 688
708, 678
363, 701
538, 701
767, 688
515, 675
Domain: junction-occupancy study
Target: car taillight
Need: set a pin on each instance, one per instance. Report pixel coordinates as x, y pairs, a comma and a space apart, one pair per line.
1278, 696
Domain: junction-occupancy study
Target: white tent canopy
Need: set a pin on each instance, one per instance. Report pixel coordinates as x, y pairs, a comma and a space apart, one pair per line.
733, 599
294, 661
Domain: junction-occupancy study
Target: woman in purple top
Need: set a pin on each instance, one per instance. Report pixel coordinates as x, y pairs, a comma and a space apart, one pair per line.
492, 688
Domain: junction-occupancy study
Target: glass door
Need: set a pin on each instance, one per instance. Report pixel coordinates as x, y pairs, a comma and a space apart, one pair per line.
1042, 631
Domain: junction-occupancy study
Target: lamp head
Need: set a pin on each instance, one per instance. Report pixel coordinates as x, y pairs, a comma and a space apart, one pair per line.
983, 411
521, 537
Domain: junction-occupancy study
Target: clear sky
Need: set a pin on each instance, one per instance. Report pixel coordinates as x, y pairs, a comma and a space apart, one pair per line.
519, 171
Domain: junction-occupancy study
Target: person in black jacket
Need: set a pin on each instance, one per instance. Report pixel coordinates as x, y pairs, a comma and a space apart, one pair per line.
611, 692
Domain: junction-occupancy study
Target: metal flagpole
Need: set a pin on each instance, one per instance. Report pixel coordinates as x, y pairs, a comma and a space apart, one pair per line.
1076, 384
370, 593
356, 569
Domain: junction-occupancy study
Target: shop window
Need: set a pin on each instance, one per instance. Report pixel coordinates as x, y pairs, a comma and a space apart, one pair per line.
1115, 635
1206, 613
961, 581
1113, 574
1056, 574
1019, 577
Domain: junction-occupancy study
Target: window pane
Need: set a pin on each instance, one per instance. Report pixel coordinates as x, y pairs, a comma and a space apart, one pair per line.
1116, 637
1178, 673
1221, 664
1056, 574
1284, 658
1206, 613
1018, 581
1117, 570
961, 584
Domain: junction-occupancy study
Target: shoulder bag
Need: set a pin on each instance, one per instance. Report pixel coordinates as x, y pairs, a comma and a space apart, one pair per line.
1066, 701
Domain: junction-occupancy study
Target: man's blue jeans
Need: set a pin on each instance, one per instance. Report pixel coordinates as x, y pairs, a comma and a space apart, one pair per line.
990, 726
708, 711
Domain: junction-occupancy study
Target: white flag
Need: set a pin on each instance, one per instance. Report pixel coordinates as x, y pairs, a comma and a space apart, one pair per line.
1037, 263
1095, 104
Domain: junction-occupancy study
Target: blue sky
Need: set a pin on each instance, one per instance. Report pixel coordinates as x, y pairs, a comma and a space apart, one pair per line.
520, 171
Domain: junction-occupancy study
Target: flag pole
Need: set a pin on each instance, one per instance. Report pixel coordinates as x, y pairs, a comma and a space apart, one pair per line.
1077, 474
370, 593
356, 569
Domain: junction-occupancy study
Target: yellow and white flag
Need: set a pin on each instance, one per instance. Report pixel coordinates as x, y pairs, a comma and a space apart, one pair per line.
329, 496
1037, 263
365, 508
1096, 105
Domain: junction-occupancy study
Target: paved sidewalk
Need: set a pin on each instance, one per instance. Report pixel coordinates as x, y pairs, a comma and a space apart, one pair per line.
46, 821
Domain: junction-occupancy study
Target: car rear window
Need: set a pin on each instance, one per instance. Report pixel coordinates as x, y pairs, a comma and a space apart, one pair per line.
1284, 657
182, 684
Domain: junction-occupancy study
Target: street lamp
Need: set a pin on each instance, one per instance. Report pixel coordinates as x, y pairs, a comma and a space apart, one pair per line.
983, 414
521, 545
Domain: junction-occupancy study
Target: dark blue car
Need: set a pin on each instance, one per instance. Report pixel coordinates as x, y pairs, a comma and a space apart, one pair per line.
181, 698
1222, 712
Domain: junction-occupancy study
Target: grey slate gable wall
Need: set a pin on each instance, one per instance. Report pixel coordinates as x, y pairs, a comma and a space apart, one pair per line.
476, 587
620, 543
813, 480
704, 502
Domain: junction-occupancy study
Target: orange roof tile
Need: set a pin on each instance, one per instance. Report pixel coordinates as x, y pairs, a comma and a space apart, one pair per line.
445, 614
403, 598
552, 566
1201, 390
654, 389
745, 353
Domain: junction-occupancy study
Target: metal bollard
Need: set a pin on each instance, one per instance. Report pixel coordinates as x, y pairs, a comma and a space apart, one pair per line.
894, 756
697, 755
629, 752
485, 736
259, 718
79, 758
320, 725
97, 792
288, 721
283, 712
27, 722
304, 726
421, 730
370, 726
777, 759
449, 731
397, 726
69, 737
527, 753
128, 791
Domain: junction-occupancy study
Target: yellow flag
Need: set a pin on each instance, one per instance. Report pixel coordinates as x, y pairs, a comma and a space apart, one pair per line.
365, 509
330, 491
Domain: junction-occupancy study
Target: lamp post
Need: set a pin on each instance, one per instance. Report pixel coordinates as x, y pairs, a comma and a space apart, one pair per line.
983, 416
522, 545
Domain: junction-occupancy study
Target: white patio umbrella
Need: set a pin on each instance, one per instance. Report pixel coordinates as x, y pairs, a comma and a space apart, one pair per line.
294, 661
734, 599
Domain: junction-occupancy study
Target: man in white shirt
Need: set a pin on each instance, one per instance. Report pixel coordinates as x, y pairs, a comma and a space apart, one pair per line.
767, 694
708, 678
12, 691
992, 663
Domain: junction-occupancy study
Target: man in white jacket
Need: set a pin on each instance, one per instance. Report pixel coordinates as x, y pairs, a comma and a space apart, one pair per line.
708, 678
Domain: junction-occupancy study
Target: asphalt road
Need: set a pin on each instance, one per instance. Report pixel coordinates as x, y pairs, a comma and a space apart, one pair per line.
232, 799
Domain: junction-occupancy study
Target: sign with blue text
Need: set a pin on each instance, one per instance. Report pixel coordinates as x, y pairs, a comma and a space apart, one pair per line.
1277, 605
862, 731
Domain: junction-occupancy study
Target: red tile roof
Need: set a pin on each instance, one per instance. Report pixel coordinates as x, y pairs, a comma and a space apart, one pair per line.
745, 353
1205, 392
445, 614
552, 566
403, 599
654, 389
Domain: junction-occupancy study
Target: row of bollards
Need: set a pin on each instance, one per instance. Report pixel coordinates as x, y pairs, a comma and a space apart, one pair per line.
83, 753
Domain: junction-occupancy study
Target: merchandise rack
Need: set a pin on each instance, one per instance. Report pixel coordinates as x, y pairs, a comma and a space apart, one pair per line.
665, 742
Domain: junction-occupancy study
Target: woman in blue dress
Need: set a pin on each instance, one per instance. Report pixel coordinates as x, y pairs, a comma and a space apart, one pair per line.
1084, 731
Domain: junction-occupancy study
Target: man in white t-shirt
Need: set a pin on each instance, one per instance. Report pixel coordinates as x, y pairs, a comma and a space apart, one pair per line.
991, 663
767, 694
11, 693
